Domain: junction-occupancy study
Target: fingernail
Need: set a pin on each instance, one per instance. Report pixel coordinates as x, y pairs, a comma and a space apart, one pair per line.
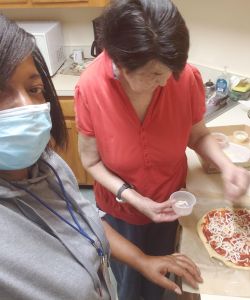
178, 291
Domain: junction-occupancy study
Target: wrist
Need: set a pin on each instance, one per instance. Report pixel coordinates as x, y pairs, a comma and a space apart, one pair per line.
140, 263
226, 167
119, 195
132, 197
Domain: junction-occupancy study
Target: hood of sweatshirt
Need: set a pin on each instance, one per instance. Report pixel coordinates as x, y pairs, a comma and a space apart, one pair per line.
38, 173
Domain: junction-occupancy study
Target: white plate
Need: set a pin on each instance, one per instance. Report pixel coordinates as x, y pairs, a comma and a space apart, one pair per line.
237, 153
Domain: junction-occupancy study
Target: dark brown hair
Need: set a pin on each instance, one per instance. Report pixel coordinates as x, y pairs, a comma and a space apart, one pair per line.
137, 31
15, 45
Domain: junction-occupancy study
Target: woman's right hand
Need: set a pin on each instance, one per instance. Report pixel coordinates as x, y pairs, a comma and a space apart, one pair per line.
157, 212
154, 268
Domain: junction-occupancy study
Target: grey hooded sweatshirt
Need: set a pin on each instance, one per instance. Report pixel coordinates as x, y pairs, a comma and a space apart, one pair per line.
41, 256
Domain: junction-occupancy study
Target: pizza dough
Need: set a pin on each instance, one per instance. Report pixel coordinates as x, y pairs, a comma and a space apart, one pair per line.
226, 235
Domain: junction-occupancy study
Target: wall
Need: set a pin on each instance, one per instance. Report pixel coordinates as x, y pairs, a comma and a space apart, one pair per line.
219, 29
76, 23
220, 33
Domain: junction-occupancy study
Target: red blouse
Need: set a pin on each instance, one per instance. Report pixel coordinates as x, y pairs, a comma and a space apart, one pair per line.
150, 155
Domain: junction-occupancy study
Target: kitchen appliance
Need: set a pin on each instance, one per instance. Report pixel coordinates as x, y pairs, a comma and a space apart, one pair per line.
96, 47
49, 39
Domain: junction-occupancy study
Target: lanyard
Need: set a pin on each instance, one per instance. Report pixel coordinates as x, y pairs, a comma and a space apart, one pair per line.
76, 226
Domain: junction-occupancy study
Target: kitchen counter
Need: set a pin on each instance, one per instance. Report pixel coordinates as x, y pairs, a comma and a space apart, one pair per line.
67, 77
198, 181
65, 84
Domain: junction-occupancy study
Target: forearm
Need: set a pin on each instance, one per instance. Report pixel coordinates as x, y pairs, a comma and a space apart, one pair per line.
123, 250
207, 147
93, 164
112, 182
106, 178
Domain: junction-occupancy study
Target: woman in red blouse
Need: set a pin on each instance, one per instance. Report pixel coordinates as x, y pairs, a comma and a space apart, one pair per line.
138, 106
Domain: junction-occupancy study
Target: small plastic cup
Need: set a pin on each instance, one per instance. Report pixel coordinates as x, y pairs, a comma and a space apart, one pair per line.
240, 136
221, 139
182, 202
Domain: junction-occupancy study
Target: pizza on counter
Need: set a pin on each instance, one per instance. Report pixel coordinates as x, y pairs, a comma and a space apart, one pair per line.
225, 233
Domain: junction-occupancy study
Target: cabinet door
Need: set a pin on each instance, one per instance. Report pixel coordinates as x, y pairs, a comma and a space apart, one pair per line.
60, 1
70, 155
13, 1
99, 3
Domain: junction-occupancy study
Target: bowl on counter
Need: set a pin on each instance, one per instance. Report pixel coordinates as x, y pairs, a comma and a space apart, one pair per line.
240, 136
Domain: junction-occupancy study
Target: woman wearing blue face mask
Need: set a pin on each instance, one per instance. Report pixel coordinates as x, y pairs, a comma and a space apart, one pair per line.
53, 244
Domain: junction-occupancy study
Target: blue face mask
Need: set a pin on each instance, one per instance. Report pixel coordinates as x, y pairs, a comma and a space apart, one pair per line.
24, 134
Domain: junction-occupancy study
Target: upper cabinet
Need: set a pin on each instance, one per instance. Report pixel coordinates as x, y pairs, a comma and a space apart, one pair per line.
13, 1
59, 1
51, 3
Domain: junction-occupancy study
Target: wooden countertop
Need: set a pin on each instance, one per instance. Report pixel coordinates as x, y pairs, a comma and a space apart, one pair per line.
211, 183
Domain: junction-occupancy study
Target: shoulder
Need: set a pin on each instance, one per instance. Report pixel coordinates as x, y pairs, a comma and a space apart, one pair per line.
190, 74
189, 78
96, 74
190, 81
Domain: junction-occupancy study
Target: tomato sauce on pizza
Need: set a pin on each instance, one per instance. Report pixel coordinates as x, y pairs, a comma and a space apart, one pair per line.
226, 233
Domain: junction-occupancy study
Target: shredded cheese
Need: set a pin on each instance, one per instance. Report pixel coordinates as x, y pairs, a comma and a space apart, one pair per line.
230, 232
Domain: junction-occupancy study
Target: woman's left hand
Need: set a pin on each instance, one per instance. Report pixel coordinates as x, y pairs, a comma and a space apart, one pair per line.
236, 181
157, 212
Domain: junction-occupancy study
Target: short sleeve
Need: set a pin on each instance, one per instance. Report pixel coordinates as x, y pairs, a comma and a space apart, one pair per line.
197, 97
84, 122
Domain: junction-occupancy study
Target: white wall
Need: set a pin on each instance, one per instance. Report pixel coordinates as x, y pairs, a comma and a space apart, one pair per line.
220, 33
219, 29
76, 23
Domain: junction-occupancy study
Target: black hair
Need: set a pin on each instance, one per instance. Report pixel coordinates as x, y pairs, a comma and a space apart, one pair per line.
133, 32
15, 45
